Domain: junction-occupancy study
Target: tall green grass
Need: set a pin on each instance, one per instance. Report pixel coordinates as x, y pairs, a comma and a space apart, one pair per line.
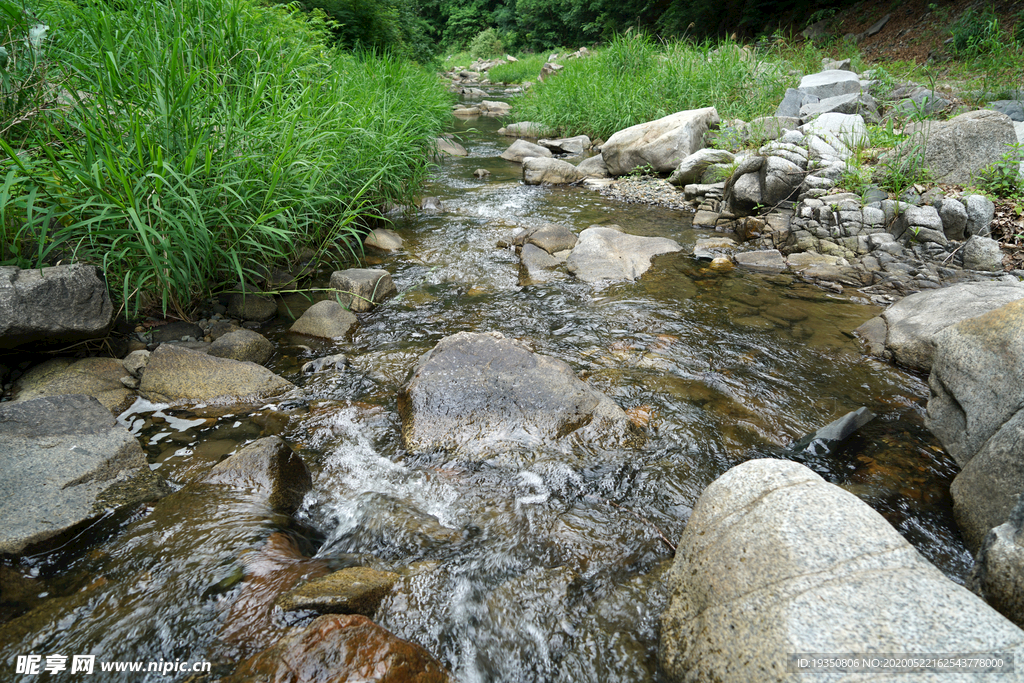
183, 144
526, 69
635, 79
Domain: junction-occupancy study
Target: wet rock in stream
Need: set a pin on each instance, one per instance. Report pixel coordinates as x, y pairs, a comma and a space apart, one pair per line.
481, 393
339, 648
355, 590
63, 461
174, 374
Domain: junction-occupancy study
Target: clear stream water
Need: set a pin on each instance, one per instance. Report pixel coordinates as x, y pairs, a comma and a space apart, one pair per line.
521, 568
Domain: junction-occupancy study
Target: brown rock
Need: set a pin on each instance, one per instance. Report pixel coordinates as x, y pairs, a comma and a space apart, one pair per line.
175, 373
356, 590
340, 649
269, 468
96, 377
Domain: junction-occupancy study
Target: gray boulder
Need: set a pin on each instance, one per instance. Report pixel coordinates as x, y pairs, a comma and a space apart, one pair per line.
660, 144
326, 319
853, 103
248, 305
53, 305
842, 132
99, 378
551, 237
594, 167
574, 145
479, 393
524, 129
607, 253
1012, 108
692, 167
976, 409
493, 108
780, 178
766, 261
448, 146
521, 149
923, 102
983, 253
980, 212
907, 330
269, 469
832, 83
919, 224
537, 265
957, 149
545, 171
793, 101
775, 561
361, 289
176, 374
64, 460
954, 219
244, 345
998, 574
384, 240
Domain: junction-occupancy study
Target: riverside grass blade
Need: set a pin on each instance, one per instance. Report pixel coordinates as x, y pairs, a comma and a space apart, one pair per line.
205, 140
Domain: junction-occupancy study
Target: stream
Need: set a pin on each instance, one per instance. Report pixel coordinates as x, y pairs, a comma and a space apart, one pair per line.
514, 569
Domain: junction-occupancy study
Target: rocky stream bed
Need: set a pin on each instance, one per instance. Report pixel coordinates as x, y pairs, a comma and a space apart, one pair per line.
495, 461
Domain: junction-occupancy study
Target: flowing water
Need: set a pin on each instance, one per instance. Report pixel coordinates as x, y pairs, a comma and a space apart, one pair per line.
524, 567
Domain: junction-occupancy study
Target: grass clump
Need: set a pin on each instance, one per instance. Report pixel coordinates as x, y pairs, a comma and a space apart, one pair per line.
634, 80
526, 69
186, 143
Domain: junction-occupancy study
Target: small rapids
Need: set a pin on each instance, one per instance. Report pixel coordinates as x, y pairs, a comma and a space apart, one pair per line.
526, 566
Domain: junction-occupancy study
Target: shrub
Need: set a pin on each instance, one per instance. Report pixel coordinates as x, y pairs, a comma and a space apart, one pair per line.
486, 44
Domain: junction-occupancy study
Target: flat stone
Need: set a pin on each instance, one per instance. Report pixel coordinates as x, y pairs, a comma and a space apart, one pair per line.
825, 84
552, 237
64, 460
449, 147
96, 377
175, 374
384, 240
767, 261
546, 171
607, 253
356, 590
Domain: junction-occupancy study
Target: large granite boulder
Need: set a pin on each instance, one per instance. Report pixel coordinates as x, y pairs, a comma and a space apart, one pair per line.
175, 374
660, 144
96, 377
906, 332
64, 460
54, 305
268, 468
607, 253
957, 149
775, 561
543, 171
478, 393
338, 648
976, 409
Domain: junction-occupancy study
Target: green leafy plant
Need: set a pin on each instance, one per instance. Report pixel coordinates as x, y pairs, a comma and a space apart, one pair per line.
975, 32
486, 44
1003, 178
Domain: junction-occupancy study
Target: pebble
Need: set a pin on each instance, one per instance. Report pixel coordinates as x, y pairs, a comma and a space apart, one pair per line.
647, 190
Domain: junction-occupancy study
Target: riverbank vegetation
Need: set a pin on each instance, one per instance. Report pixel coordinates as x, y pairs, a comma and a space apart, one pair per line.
184, 145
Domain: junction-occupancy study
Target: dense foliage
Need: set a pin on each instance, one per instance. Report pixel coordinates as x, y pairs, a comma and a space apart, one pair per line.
184, 143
